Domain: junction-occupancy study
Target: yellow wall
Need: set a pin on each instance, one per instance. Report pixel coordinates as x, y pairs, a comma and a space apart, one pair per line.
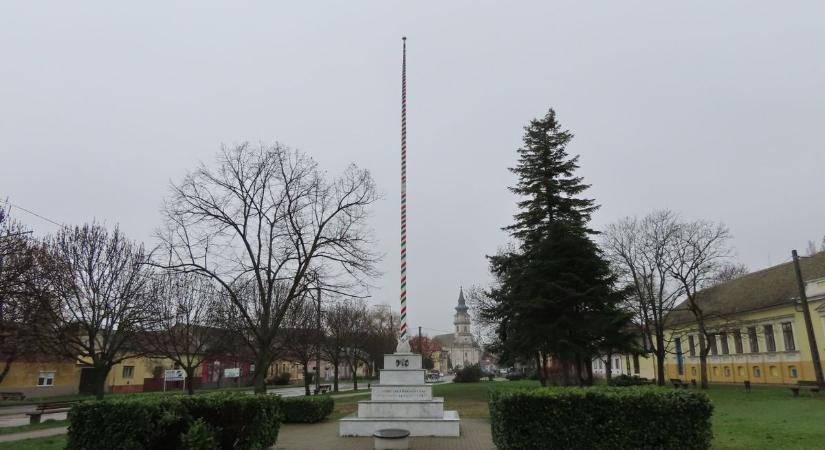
22, 377
143, 368
762, 367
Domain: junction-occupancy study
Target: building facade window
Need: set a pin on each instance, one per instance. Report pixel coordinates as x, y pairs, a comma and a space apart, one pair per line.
45, 379
787, 336
792, 372
128, 371
757, 372
770, 343
691, 346
680, 362
713, 350
737, 341
753, 340
723, 338
636, 368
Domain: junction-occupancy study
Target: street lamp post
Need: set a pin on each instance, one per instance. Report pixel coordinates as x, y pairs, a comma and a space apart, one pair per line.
318, 350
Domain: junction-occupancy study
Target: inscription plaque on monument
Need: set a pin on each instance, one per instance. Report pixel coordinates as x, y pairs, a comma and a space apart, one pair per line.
401, 393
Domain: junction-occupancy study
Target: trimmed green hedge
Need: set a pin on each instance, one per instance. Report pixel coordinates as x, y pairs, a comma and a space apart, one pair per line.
235, 421
307, 409
604, 418
469, 374
626, 380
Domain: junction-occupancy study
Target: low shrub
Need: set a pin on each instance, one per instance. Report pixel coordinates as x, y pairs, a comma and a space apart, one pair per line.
469, 374
627, 380
281, 379
604, 418
307, 409
234, 420
515, 376
200, 436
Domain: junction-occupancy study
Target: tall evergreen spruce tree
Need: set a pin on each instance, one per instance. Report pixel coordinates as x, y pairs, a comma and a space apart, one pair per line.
555, 298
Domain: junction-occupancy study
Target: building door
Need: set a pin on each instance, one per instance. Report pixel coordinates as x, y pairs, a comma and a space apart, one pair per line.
87, 381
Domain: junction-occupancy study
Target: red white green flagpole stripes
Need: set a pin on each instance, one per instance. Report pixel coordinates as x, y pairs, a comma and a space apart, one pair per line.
403, 337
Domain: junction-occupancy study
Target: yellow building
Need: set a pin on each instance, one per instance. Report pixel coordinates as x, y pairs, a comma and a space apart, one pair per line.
41, 376
756, 326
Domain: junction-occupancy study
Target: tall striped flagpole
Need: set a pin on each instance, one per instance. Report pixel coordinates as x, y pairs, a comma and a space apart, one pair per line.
403, 344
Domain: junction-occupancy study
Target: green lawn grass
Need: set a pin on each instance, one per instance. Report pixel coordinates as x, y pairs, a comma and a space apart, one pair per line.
50, 423
46, 443
74, 397
766, 418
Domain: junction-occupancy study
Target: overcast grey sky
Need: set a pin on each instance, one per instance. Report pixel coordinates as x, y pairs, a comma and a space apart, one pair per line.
714, 109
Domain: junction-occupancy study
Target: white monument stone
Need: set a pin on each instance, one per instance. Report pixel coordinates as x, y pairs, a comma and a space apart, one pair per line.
402, 400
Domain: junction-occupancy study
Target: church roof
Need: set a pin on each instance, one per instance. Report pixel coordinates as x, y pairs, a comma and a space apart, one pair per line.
446, 340
462, 305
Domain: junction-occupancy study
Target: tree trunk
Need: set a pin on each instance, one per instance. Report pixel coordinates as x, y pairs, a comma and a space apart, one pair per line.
660, 360
335, 377
259, 379
354, 367
190, 376
579, 370
6, 368
588, 365
306, 378
704, 348
100, 373
608, 367
540, 371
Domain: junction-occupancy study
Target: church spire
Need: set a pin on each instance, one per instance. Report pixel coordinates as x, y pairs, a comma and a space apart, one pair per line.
462, 305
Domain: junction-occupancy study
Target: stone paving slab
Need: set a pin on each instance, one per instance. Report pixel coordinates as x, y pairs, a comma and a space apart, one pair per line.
475, 434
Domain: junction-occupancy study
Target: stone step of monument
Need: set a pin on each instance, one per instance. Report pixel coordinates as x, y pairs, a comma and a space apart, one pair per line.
402, 361
447, 425
431, 409
402, 376
401, 392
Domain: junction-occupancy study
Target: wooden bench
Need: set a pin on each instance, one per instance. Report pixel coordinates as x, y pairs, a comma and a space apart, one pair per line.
323, 389
391, 438
810, 385
49, 408
677, 383
12, 396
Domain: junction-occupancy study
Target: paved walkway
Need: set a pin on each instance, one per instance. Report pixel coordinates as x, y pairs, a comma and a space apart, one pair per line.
33, 434
475, 435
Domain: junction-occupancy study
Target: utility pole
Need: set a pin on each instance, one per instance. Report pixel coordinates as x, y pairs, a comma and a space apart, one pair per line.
809, 327
318, 349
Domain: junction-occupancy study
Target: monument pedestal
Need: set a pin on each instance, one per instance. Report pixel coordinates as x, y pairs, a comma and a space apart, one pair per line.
402, 400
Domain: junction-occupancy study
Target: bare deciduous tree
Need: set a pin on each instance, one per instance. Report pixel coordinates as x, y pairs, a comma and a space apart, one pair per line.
300, 339
698, 253
381, 335
22, 289
184, 307
728, 272
346, 325
639, 251
262, 224
99, 309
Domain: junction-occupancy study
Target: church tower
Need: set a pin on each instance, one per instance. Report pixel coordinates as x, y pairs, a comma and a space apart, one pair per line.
462, 321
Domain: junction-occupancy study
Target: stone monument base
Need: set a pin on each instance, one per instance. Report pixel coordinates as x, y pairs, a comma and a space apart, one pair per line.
404, 401
447, 425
